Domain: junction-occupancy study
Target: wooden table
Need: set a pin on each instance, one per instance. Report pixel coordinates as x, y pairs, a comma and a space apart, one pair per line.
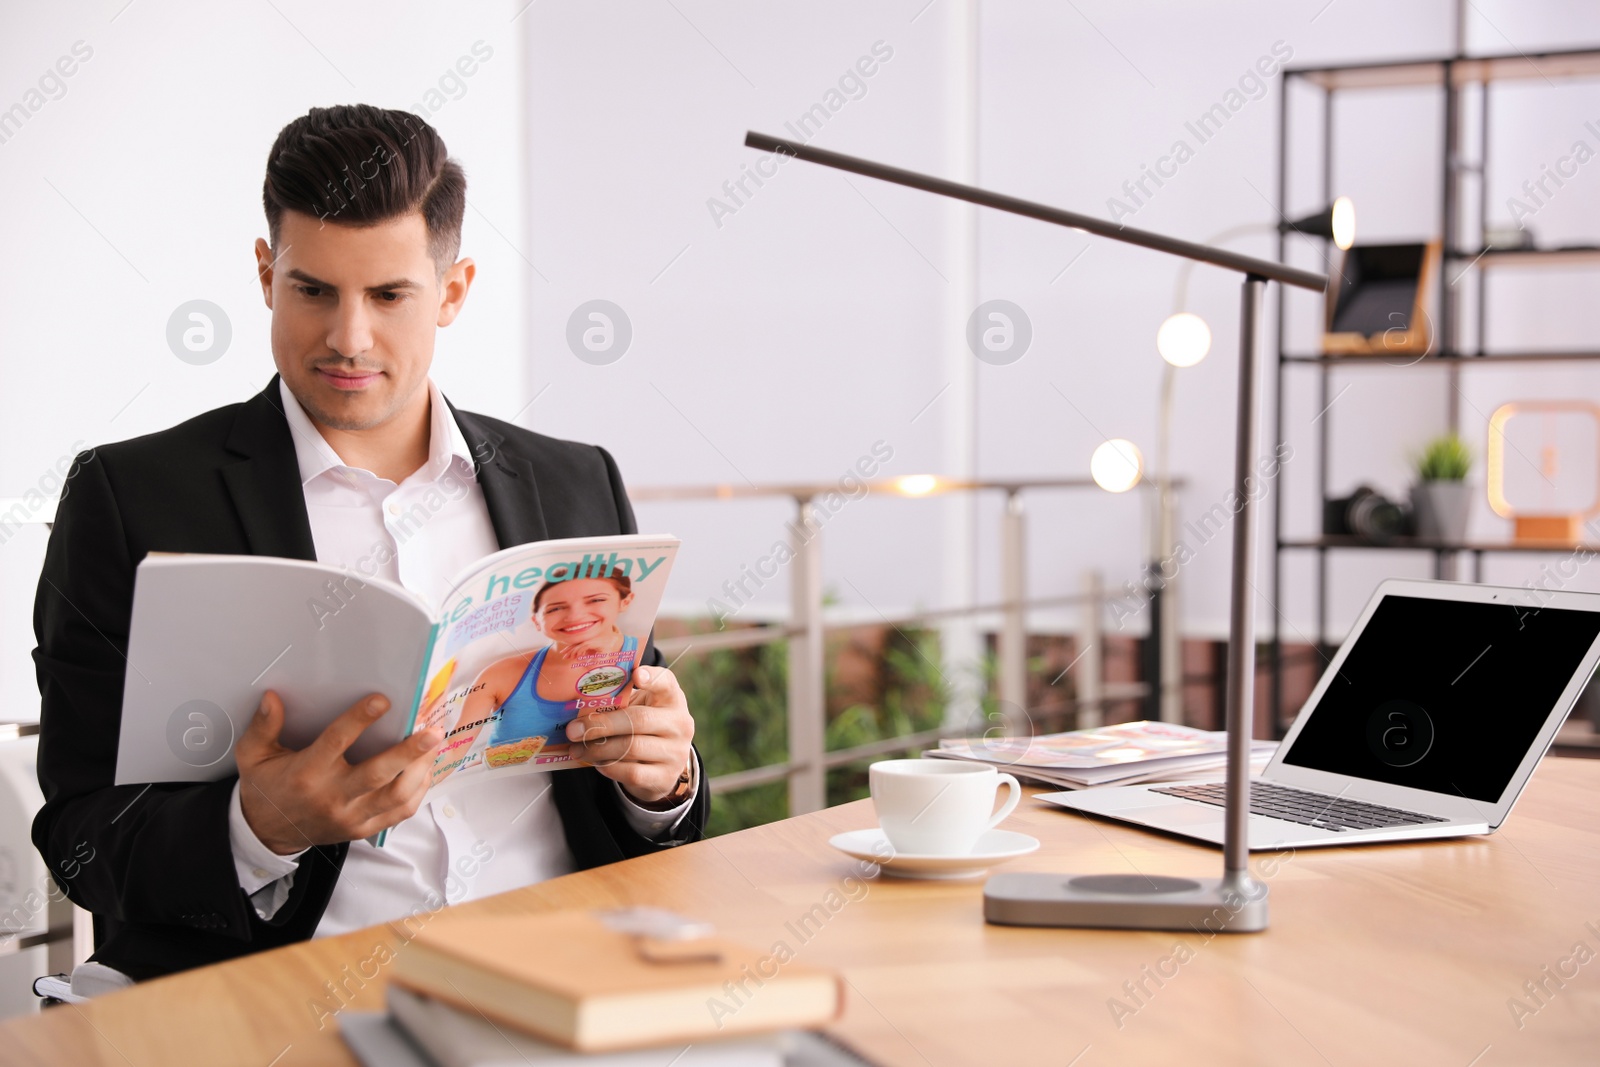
1403, 954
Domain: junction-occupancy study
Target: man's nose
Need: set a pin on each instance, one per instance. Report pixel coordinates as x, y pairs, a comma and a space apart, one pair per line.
351, 333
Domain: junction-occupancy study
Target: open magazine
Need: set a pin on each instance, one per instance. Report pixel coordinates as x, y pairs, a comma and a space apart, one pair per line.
528, 639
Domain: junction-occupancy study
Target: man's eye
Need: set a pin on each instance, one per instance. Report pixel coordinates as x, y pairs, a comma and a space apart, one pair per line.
309, 290
391, 298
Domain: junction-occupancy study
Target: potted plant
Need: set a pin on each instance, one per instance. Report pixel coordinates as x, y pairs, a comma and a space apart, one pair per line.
1441, 499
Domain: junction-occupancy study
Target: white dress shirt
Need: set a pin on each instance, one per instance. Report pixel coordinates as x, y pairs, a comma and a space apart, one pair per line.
471, 837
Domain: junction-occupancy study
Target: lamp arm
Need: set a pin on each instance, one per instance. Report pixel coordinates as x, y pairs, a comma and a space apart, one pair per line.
1180, 293
1265, 269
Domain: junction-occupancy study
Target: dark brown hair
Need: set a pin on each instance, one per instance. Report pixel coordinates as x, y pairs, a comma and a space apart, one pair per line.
623, 583
359, 165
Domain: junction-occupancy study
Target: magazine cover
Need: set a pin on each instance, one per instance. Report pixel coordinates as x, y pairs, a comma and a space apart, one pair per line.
1127, 742
531, 638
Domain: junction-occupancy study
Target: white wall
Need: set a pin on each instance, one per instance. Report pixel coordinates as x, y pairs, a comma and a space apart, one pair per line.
809, 323
140, 189
780, 342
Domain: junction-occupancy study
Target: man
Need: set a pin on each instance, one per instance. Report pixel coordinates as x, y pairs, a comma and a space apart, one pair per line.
329, 462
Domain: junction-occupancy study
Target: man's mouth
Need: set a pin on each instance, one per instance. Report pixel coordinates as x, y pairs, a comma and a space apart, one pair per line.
349, 380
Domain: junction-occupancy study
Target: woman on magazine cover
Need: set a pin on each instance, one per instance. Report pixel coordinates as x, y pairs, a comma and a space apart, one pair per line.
588, 664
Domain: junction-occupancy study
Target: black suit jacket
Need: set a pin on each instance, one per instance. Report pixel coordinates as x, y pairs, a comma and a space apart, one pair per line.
153, 863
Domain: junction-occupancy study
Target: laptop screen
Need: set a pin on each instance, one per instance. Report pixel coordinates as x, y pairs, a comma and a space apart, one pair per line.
1444, 695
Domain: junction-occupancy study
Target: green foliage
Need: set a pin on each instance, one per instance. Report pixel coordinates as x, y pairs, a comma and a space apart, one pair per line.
739, 698
911, 693
1446, 458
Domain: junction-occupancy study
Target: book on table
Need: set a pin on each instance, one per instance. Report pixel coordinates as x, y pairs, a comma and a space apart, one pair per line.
418, 1031
570, 978
448, 1036
527, 639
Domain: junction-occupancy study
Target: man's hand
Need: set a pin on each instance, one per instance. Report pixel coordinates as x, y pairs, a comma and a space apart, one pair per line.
644, 746
293, 800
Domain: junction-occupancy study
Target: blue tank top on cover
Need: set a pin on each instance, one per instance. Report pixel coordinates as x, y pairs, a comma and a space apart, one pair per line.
527, 714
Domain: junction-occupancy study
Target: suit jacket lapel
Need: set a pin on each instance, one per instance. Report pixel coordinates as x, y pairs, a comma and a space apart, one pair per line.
507, 482
265, 482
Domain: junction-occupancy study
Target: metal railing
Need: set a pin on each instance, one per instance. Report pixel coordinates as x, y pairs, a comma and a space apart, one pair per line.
806, 628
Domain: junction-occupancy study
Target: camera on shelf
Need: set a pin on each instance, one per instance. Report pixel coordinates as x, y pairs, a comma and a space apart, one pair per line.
1367, 514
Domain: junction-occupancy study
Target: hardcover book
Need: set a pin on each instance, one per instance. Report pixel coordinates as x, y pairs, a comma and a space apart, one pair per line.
570, 978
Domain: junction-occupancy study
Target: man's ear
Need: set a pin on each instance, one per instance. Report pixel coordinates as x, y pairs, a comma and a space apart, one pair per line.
453, 289
264, 267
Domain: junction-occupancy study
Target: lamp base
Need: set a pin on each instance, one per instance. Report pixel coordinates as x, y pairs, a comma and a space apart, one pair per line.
1564, 529
1236, 904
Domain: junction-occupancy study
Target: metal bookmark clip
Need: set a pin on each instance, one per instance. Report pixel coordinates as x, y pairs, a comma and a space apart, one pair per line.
662, 936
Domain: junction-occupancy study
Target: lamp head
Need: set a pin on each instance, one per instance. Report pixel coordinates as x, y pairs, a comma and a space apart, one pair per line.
1336, 223
1343, 223
1116, 465
1184, 339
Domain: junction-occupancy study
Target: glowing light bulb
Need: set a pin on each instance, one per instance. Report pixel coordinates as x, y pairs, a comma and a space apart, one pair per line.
1184, 339
916, 484
1116, 465
1344, 222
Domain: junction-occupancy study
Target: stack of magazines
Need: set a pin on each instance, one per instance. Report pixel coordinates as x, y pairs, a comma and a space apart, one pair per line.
1129, 752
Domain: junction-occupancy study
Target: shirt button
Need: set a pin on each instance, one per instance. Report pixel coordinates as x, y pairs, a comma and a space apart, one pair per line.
259, 872
394, 509
449, 811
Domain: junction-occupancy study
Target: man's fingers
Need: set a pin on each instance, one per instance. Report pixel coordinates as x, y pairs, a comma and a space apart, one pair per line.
644, 745
401, 797
342, 732
640, 719
646, 780
632, 748
260, 738
396, 802
655, 685
593, 726
377, 772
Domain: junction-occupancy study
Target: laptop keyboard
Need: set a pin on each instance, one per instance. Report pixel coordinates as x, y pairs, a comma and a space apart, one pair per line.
1306, 808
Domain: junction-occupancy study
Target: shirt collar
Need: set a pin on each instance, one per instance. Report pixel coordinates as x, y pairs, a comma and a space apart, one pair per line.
315, 456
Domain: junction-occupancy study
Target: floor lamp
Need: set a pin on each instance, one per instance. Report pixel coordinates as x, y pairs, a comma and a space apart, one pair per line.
1150, 902
1183, 341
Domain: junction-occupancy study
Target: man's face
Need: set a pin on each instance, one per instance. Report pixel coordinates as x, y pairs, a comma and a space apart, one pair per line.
354, 312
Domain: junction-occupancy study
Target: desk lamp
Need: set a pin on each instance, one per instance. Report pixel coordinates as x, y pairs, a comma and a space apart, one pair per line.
1123, 901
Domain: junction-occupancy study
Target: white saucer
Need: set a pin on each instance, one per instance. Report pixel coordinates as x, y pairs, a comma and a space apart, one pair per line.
994, 847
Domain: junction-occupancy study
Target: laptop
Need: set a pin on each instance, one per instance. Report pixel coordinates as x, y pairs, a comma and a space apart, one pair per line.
1427, 723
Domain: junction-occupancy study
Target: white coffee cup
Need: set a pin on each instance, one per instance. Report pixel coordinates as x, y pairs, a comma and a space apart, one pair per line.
936, 807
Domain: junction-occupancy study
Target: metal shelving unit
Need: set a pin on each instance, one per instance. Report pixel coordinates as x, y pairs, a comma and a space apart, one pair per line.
1453, 76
